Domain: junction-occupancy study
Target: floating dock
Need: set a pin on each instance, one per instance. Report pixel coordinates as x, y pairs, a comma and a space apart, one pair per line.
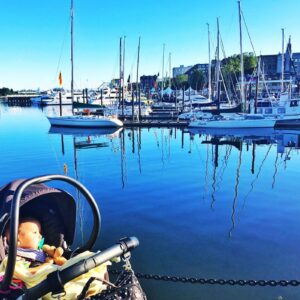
155, 123
288, 124
19, 100
152, 122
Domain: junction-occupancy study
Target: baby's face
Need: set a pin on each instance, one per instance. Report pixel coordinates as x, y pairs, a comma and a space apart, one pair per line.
29, 234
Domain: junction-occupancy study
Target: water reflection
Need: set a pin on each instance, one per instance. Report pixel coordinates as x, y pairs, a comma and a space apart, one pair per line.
285, 140
85, 139
218, 147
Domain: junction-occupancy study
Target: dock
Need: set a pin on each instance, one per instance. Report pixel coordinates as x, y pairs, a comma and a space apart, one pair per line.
155, 123
288, 124
19, 100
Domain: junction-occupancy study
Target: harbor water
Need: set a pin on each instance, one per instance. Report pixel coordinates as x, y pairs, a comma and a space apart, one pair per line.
203, 204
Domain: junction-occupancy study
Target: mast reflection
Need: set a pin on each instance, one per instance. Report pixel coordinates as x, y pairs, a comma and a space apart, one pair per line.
283, 141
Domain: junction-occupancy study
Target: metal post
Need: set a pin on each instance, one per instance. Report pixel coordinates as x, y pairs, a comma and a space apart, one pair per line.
60, 104
191, 107
101, 97
176, 98
183, 94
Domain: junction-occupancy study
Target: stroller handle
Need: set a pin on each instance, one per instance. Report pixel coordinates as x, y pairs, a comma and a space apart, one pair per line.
14, 212
55, 281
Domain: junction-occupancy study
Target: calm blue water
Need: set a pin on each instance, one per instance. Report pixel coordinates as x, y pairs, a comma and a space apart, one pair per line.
204, 206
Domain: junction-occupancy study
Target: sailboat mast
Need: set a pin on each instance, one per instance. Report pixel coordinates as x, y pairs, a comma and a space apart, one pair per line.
123, 74
282, 62
170, 69
137, 77
163, 70
123, 67
209, 64
257, 84
218, 64
120, 75
72, 50
242, 57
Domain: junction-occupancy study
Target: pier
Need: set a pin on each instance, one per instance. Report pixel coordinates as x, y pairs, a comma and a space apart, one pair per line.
155, 123
19, 100
288, 124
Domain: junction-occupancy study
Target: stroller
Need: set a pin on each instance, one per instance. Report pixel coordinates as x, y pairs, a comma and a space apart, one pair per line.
56, 210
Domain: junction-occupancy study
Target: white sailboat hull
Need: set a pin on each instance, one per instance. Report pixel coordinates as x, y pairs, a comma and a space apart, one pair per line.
85, 122
240, 123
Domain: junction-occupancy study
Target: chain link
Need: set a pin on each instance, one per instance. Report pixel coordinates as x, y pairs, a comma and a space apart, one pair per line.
232, 282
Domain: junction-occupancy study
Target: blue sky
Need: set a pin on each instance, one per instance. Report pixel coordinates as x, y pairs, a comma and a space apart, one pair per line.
35, 37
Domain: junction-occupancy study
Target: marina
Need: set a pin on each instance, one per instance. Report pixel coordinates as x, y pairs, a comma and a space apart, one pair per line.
150, 162
223, 174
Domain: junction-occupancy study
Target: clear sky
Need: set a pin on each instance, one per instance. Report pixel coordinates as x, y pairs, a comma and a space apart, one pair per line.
35, 36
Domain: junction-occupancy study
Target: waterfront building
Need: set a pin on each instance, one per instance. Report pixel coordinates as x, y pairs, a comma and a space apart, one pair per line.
148, 82
181, 70
296, 63
272, 65
200, 67
269, 64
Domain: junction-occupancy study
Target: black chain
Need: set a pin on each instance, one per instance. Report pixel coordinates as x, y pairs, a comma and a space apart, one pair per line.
232, 282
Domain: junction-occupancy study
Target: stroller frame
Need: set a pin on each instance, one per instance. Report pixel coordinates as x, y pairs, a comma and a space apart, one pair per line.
55, 281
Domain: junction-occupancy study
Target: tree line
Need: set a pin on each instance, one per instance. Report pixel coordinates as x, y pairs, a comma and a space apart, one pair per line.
6, 91
230, 68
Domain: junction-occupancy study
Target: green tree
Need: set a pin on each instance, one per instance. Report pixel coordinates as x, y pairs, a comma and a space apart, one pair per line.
232, 64
180, 81
250, 62
231, 68
197, 79
6, 91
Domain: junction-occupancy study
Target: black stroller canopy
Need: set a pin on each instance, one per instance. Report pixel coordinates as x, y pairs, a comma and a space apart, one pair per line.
55, 209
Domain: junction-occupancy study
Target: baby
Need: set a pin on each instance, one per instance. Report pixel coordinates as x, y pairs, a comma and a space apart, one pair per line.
34, 262
30, 246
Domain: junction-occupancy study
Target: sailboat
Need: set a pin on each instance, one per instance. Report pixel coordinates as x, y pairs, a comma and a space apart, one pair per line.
235, 120
80, 120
